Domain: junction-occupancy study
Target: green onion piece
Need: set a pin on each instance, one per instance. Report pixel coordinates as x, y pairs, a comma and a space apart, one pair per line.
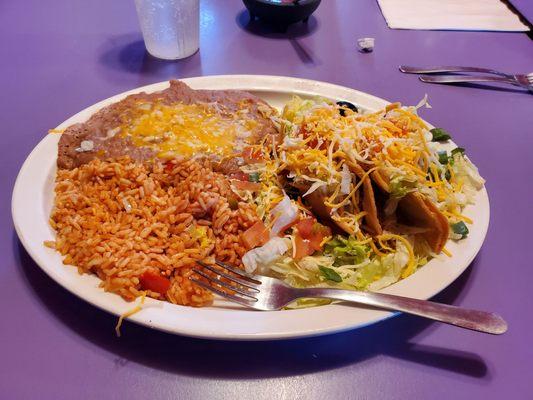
458, 150
447, 175
460, 228
253, 177
439, 135
330, 274
443, 157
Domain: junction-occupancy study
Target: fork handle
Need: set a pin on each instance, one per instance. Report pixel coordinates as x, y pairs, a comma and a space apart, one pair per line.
470, 319
459, 79
435, 70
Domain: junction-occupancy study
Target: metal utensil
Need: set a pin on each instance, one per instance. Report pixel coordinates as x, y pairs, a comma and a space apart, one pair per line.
523, 80
265, 293
443, 69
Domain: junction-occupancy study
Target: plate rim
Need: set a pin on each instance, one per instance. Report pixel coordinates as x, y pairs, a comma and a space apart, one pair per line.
255, 83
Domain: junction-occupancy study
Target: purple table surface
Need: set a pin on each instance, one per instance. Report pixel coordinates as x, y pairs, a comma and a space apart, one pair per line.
60, 56
525, 8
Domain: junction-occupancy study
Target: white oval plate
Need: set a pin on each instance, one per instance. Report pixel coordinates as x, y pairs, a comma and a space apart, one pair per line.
33, 197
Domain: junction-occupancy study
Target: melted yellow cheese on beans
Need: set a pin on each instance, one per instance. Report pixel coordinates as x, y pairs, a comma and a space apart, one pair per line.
187, 129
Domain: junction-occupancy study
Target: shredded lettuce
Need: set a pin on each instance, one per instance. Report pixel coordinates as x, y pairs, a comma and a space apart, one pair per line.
386, 271
401, 185
346, 251
345, 263
464, 168
297, 108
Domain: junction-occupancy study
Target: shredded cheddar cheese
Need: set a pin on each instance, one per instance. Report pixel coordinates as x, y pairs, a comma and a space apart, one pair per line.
127, 314
446, 251
336, 155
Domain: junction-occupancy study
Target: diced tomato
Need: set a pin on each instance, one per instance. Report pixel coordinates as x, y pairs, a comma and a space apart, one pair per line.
169, 166
240, 176
322, 230
303, 131
315, 241
305, 227
310, 236
256, 235
290, 225
252, 155
245, 185
313, 142
154, 282
319, 233
302, 247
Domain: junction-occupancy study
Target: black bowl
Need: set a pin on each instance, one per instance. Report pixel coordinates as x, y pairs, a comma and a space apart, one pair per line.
281, 12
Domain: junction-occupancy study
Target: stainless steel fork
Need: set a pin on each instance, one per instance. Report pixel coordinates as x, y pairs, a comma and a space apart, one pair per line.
522, 80
265, 293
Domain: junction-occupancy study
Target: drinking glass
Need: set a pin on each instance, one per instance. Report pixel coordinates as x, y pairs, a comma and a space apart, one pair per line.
171, 28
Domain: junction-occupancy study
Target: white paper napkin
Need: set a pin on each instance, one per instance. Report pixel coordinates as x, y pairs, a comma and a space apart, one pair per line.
467, 15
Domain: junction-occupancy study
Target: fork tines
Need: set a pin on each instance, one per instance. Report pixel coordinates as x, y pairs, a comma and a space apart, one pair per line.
243, 282
240, 288
236, 271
